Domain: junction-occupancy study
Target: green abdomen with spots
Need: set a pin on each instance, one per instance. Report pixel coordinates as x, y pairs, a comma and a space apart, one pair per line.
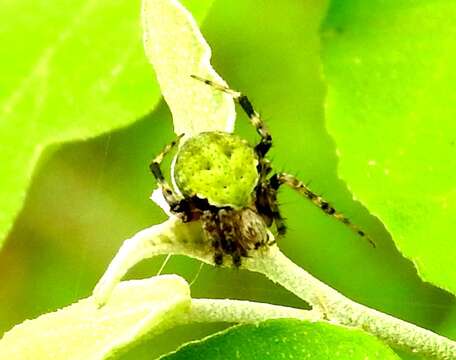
217, 166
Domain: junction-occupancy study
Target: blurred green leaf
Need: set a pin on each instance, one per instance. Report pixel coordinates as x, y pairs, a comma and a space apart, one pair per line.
287, 339
71, 70
390, 68
82, 331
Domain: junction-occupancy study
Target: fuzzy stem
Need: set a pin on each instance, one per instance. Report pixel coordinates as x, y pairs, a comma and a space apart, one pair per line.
169, 237
341, 310
240, 311
175, 237
234, 311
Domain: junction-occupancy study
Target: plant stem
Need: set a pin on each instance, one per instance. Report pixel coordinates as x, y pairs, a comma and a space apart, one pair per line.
341, 310
175, 237
240, 311
169, 237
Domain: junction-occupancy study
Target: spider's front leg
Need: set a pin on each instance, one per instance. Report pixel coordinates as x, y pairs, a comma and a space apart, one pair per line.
277, 180
266, 139
170, 196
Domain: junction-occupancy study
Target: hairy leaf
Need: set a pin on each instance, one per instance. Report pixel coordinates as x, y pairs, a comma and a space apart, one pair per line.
177, 50
83, 331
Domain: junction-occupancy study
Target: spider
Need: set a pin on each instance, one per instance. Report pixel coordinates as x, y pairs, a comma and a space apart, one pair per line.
229, 186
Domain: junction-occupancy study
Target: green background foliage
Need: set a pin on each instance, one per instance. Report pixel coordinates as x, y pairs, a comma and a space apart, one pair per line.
88, 196
287, 339
65, 72
391, 74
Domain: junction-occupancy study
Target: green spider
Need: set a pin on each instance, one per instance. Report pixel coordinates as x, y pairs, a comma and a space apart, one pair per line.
226, 183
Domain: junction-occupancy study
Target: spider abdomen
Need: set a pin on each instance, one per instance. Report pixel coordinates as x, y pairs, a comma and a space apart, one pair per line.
217, 166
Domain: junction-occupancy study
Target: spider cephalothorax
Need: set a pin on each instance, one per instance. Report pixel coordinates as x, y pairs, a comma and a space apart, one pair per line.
225, 183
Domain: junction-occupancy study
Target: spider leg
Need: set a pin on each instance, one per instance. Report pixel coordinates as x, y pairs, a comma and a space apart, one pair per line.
277, 180
267, 206
266, 139
210, 222
232, 243
170, 196
278, 219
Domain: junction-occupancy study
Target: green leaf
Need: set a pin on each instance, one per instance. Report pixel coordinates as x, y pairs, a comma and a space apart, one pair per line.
177, 49
287, 339
71, 71
390, 68
82, 331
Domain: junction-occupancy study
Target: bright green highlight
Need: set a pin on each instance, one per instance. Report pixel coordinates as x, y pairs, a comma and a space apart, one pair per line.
219, 167
70, 70
83, 331
390, 68
287, 339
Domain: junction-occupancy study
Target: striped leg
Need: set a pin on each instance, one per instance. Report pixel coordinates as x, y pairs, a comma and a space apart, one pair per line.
267, 206
279, 179
170, 197
210, 222
278, 219
266, 139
